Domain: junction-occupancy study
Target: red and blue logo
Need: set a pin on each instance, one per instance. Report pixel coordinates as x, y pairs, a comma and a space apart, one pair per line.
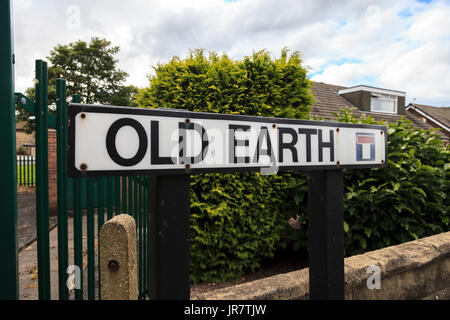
365, 146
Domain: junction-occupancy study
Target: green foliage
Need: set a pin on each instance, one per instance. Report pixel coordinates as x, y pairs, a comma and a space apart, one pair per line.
257, 85
236, 219
90, 70
405, 201
20, 151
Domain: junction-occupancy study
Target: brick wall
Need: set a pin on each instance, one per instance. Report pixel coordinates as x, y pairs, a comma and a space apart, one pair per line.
366, 101
52, 187
355, 98
401, 105
23, 138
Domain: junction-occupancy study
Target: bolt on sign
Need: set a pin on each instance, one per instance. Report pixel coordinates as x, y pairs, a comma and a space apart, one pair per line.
114, 141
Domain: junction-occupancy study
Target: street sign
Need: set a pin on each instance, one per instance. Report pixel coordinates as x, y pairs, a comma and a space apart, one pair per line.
170, 145
106, 140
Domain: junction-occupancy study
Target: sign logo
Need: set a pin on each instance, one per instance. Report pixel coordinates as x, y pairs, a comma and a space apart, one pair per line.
365, 146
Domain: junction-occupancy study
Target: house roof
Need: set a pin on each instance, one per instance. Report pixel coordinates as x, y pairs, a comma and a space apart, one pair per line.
328, 102
441, 115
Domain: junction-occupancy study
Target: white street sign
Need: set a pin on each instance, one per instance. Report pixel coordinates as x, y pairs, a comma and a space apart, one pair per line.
107, 140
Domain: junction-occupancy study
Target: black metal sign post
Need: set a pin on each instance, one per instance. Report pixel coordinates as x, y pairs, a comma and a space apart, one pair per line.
326, 235
169, 246
112, 141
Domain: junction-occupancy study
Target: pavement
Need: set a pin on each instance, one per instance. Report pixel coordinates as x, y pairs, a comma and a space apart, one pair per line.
26, 217
28, 271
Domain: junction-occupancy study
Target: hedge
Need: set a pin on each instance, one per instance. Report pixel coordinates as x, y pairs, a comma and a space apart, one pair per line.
405, 201
236, 219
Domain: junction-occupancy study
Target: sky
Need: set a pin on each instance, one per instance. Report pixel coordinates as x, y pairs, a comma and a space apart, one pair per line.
400, 45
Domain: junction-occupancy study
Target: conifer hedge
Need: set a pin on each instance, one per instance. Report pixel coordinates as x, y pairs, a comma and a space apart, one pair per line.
236, 219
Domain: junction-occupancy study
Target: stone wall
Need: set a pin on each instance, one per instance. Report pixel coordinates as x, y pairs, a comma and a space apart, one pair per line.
414, 270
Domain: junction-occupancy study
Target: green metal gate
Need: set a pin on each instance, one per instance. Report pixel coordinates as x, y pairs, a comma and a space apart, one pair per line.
88, 201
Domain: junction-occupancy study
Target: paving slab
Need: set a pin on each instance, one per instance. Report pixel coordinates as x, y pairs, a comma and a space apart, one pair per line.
28, 271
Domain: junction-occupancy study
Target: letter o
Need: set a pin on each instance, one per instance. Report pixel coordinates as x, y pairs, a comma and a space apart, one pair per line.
111, 142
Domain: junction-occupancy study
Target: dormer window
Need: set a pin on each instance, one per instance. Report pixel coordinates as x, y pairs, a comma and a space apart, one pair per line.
383, 103
377, 100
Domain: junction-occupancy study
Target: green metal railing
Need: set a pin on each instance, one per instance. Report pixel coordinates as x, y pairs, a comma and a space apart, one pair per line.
87, 201
9, 288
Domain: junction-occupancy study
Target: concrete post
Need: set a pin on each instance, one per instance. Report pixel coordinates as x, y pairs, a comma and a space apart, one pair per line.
118, 259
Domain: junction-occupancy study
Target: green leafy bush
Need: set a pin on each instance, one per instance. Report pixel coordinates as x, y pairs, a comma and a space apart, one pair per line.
236, 219
405, 201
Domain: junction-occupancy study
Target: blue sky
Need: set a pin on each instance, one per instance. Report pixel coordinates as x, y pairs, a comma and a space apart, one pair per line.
401, 45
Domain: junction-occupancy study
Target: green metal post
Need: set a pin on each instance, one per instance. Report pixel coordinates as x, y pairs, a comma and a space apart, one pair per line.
139, 234
124, 194
78, 235
78, 225
100, 221
63, 260
130, 195
135, 199
9, 285
109, 200
90, 238
117, 205
42, 202
146, 214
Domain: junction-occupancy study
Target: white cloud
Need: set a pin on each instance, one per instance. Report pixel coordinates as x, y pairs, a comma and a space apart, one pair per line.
352, 42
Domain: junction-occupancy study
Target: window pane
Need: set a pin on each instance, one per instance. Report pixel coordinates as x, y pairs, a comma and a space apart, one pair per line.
382, 105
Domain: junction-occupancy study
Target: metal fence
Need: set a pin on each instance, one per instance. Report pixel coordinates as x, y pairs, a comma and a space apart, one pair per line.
26, 171
105, 198
85, 202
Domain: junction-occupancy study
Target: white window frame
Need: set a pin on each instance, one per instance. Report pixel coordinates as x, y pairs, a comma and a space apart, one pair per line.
384, 97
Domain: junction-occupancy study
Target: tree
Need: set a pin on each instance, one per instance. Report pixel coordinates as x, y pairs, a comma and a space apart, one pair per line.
90, 70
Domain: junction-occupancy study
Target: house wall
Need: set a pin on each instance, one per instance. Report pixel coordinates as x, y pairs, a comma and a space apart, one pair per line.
365, 101
52, 165
361, 100
23, 138
401, 105
355, 98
